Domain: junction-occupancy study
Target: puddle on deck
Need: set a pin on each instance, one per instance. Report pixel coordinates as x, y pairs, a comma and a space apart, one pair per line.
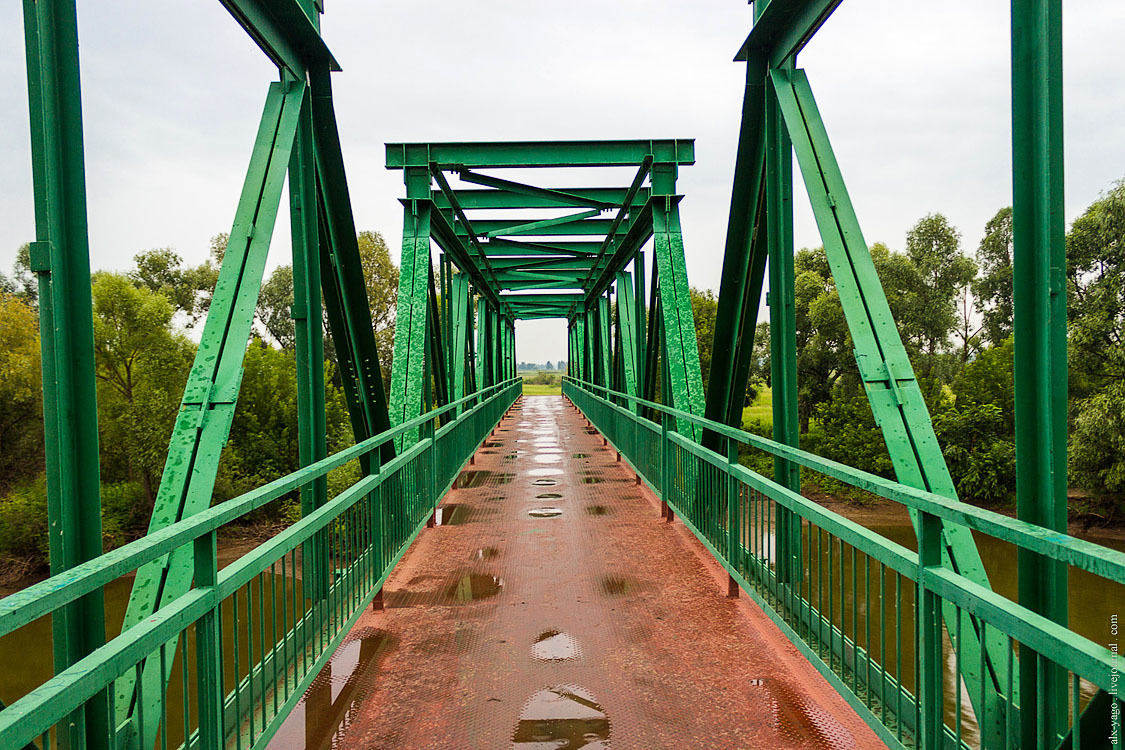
798, 718
544, 512
597, 510
545, 472
453, 515
327, 709
548, 496
619, 585
461, 587
544, 482
555, 645
472, 587
562, 717
480, 477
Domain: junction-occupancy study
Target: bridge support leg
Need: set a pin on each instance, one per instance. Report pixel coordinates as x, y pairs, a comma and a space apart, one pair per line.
60, 257
1039, 266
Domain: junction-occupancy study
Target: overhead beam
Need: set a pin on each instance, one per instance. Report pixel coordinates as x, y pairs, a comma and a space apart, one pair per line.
537, 154
785, 27
533, 227
488, 227
283, 30
499, 246
506, 199
552, 196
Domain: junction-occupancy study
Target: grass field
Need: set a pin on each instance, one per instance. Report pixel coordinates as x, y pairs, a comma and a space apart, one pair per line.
536, 389
761, 409
542, 382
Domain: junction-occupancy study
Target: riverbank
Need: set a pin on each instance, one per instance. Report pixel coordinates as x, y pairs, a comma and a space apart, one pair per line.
883, 513
233, 543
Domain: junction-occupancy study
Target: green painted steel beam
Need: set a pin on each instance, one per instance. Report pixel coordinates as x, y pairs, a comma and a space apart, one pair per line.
207, 409
627, 203
533, 227
624, 249
345, 295
497, 227
1040, 290
498, 246
541, 299
505, 199
530, 154
458, 248
285, 33
60, 258
551, 196
409, 382
626, 333
895, 397
783, 27
744, 263
542, 264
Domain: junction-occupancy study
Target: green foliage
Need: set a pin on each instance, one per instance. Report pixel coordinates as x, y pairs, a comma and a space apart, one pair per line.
23, 520
141, 365
933, 246
21, 413
1096, 270
993, 288
380, 276
845, 431
979, 451
1097, 453
704, 308
275, 302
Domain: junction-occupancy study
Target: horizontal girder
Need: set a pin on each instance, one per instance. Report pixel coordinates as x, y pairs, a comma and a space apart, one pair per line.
527, 154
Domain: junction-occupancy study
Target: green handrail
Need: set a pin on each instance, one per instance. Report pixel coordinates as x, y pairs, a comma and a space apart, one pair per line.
840, 596
362, 532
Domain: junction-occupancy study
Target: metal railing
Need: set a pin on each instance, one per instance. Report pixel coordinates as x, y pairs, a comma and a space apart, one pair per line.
223, 665
868, 612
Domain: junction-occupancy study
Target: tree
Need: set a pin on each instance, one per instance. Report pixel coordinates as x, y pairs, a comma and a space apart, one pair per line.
934, 248
141, 365
274, 308
1096, 310
823, 342
21, 400
380, 275
1097, 454
993, 288
162, 271
704, 308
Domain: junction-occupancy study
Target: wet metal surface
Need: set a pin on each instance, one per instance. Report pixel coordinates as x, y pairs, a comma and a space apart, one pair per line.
553, 608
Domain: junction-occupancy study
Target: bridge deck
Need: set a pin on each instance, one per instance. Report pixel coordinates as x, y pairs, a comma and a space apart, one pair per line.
601, 626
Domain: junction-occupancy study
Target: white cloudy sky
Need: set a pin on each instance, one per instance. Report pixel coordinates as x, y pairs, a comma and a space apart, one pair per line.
915, 96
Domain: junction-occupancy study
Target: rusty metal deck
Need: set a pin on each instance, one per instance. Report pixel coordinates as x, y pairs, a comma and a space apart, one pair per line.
553, 608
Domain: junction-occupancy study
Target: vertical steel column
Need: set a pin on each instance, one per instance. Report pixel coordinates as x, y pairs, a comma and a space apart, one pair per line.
681, 350
744, 263
407, 369
1039, 268
639, 312
783, 326
60, 257
309, 328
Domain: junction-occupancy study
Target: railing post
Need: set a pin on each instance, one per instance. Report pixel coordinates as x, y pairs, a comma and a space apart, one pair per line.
734, 551
931, 666
665, 469
208, 648
432, 490
375, 499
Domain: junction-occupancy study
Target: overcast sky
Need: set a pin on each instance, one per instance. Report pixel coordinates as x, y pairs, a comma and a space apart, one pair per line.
915, 96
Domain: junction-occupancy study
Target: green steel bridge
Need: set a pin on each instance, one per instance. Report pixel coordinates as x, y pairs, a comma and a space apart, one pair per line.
611, 262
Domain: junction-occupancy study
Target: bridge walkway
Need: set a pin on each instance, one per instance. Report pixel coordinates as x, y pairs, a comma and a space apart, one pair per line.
551, 607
